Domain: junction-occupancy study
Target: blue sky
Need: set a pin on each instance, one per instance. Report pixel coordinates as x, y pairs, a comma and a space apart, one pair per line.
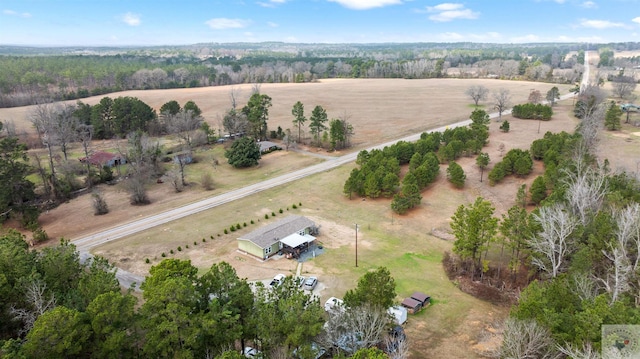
165, 22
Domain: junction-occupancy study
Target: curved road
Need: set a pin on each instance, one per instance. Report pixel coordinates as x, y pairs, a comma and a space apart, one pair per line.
127, 279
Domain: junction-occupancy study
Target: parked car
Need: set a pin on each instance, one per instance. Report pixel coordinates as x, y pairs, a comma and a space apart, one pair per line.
333, 303
277, 280
310, 283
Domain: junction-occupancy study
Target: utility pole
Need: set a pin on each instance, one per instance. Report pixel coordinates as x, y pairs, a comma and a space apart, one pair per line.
356, 244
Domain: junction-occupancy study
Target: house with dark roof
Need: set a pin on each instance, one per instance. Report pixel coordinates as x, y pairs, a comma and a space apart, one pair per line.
288, 233
268, 146
101, 159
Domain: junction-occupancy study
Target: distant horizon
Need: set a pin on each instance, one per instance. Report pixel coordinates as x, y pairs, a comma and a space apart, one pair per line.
317, 43
147, 23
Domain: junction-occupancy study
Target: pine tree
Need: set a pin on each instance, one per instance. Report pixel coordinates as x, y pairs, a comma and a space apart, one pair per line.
456, 175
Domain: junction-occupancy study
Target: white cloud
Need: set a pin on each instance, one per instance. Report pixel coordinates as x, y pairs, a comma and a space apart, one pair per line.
600, 24
15, 13
589, 5
366, 4
445, 7
222, 23
131, 19
636, 20
271, 3
272, 24
450, 11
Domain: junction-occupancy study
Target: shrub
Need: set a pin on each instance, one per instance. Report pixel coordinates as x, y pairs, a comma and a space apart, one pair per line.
99, 204
195, 243
300, 204
147, 260
531, 111
238, 226
211, 236
204, 240
244, 224
252, 221
207, 181
187, 246
232, 228
171, 251
281, 210
163, 254
266, 216
225, 231
505, 126
273, 214
39, 235
179, 249
294, 206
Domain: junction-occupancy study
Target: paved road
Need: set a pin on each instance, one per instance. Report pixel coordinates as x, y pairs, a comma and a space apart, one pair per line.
127, 279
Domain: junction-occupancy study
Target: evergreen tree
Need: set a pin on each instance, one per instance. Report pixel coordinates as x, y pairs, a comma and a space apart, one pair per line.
244, 152
538, 190
456, 175
612, 117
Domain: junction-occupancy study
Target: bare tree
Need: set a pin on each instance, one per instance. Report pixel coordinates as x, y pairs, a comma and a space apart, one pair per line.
584, 287
255, 88
502, 100
235, 122
525, 339
42, 119
84, 133
143, 157
589, 99
623, 86
183, 124
234, 95
477, 93
585, 190
397, 347
535, 97
586, 352
553, 244
39, 302
355, 328
64, 127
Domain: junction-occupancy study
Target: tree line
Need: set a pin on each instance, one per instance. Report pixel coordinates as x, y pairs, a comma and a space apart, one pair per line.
53, 305
28, 80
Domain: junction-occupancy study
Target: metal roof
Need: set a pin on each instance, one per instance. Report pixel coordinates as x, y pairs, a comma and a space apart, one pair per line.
271, 233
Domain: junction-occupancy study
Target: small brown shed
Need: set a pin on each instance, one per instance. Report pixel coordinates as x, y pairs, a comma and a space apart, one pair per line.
413, 306
422, 298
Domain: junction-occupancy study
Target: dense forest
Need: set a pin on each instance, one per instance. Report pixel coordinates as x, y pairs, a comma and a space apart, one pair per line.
36, 75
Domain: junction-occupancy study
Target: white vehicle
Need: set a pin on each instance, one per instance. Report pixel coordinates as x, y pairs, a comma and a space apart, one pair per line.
277, 280
334, 303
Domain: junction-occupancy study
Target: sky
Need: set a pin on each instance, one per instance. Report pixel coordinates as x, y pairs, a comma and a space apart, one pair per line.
184, 22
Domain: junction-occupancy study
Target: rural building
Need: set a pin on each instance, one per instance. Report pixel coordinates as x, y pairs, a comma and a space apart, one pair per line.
268, 146
412, 305
290, 234
422, 298
101, 159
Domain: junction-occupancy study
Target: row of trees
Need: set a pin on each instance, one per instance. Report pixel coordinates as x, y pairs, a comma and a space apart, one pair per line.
340, 130
55, 306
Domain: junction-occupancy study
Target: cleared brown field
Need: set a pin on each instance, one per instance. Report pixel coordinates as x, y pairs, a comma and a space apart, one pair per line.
379, 109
